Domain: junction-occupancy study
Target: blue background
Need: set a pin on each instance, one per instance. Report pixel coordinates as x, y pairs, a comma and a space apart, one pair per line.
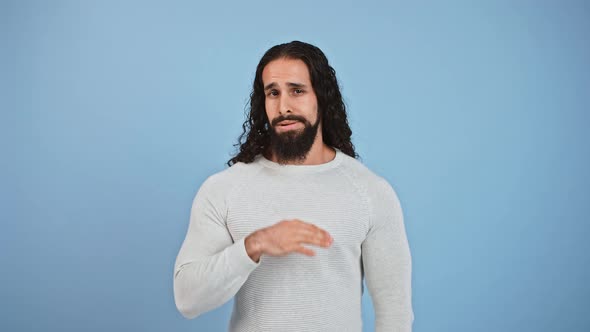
114, 112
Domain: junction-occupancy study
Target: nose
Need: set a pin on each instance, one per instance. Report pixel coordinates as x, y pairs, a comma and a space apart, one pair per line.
284, 104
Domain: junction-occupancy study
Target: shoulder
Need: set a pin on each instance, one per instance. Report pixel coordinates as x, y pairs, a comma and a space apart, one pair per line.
361, 174
383, 204
225, 180
213, 193
378, 192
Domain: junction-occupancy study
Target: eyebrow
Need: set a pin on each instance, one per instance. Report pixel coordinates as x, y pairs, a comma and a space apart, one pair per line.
290, 84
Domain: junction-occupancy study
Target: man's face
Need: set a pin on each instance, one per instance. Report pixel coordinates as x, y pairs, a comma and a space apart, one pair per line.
291, 108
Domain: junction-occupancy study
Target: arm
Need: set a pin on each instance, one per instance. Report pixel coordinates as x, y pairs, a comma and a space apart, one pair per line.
387, 262
210, 267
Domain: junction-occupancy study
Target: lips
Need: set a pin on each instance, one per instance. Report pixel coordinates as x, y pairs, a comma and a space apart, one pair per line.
287, 122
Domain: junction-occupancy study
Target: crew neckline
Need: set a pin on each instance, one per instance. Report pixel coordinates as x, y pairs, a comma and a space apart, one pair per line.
303, 168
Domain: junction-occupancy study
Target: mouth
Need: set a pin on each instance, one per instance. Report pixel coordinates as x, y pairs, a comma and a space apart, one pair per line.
287, 124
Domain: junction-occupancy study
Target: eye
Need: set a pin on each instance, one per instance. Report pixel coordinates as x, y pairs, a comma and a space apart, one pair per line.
298, 91
273, 93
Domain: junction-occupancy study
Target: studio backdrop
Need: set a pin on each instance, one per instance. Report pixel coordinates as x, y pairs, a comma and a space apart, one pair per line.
113, 113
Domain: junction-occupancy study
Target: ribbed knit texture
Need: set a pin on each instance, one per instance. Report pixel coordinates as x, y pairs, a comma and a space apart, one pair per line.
296, 292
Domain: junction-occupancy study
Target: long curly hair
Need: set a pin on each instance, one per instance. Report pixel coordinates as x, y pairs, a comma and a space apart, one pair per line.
336, 132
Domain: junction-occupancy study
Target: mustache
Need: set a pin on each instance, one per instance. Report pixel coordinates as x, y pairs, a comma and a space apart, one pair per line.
288, 118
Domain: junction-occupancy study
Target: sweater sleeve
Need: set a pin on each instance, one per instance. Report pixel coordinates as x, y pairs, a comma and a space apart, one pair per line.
387, 262
210, 267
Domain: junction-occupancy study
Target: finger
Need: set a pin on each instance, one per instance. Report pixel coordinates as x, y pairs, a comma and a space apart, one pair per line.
307, 234
300, 222
318, 239
310, 226
313, 233
322, 235
305, 251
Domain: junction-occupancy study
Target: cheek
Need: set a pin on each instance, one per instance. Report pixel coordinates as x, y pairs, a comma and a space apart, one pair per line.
267, 106
271, 104
270, 108
311, 106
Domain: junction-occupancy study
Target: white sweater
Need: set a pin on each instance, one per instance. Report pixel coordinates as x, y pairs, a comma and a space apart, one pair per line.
296, 292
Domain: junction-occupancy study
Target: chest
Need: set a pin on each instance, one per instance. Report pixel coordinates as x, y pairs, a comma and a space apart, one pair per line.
338, 207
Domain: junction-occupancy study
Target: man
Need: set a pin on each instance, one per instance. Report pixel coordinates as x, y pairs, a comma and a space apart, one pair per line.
295, 223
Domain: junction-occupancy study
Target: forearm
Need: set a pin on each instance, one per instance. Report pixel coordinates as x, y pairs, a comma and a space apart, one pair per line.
391, 291
206, 283
388, 263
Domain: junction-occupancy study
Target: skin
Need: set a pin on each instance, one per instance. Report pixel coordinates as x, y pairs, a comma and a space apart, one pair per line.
289, 92
285, 237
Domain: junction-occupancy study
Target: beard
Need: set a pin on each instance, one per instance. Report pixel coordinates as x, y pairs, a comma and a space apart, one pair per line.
293, 145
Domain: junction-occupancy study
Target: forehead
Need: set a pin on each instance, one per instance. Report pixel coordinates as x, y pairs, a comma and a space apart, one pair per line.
285, 70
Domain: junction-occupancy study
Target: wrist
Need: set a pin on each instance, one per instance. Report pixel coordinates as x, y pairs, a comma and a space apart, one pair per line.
253, 245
